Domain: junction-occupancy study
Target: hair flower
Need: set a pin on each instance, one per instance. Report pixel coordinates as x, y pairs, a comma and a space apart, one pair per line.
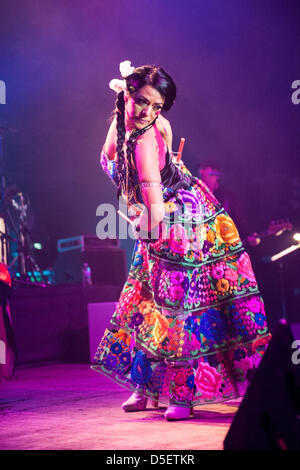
117, 85
126, 68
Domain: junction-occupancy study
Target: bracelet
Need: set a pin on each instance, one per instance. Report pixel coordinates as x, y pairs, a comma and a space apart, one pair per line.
148, 184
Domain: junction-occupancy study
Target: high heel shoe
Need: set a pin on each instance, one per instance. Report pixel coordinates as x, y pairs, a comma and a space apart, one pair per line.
174, 413
136, 402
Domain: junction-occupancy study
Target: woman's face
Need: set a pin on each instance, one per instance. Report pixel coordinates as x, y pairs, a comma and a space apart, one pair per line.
142, 106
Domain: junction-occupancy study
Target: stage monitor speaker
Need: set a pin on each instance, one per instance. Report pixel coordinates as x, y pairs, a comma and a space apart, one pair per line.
108, 266
269, 415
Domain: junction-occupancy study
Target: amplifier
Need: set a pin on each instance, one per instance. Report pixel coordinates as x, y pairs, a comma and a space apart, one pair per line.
108, 265
85, 243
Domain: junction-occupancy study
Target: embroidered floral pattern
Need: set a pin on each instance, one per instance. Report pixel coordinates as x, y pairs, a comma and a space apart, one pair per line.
244, 267
179, 242
190, 323
207, 380
160, 330
226, 231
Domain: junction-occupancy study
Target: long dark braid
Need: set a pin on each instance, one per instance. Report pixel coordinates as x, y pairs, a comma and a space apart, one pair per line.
120, 104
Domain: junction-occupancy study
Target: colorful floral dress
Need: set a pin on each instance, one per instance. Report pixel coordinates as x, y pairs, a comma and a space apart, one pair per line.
190, 323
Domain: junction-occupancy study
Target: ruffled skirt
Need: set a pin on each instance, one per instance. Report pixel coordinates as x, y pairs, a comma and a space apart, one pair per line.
190, 324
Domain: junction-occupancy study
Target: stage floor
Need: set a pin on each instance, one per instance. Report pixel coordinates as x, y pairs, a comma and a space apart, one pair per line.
71, 407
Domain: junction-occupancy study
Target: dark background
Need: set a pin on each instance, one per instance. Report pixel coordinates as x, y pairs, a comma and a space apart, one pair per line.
233, 62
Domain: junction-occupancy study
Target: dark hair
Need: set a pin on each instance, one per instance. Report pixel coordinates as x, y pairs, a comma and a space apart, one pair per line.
145, 75
157, 78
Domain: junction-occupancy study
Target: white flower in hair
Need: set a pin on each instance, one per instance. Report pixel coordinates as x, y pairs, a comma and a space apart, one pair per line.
126, 68
117, 85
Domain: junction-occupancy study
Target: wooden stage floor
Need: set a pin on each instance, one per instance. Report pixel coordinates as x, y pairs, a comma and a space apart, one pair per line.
71, 407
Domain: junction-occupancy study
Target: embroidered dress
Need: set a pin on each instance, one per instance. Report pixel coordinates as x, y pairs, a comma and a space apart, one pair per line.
190, 323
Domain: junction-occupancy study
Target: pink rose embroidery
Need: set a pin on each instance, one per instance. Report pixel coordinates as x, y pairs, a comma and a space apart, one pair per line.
207, 380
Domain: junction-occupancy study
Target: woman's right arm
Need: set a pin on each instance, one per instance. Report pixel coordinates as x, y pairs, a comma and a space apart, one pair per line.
110, 141
147, 163
107, 157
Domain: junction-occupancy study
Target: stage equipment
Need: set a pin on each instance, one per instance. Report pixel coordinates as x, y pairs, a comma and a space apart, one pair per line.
3, 241
8, 348
105, 258
269, 415
51, 323
35, 278
85, 243
23, 265
14, 206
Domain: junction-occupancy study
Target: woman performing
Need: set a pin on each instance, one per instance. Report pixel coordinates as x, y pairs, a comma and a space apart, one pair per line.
190, 326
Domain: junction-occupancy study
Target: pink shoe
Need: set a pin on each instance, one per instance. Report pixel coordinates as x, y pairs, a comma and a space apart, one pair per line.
177, 412
136, 402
